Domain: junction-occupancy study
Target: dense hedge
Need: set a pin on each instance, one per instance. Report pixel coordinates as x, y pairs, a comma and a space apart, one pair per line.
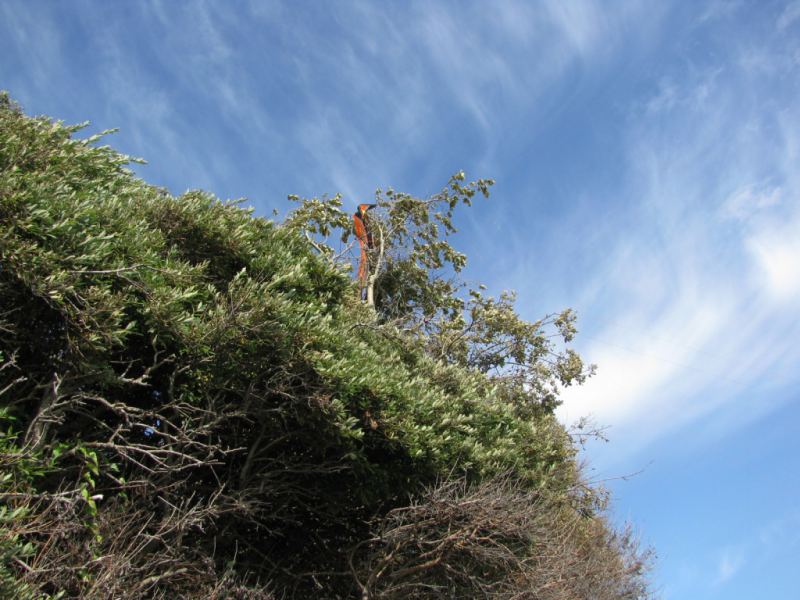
195, 405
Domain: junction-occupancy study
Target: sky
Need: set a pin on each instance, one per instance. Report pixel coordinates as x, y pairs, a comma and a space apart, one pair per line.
647, 164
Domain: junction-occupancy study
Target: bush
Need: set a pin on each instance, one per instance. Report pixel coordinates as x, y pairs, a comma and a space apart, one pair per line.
196, 405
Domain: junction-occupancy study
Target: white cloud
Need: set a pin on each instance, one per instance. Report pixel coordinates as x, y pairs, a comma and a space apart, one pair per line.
38, 40
666, 98
789, 15
415, 75
581, 23
696, 293
782, 532
730, 562
749, 200
652, 356
777, 254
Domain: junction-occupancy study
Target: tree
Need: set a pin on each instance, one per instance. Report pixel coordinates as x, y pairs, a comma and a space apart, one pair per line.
411, 248
414, 287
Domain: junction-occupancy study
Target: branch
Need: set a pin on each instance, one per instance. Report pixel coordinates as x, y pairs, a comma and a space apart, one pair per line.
374, 276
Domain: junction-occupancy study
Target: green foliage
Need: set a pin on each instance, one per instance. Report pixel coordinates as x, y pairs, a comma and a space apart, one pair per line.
199, 401
13, 551
18, 473
414, 277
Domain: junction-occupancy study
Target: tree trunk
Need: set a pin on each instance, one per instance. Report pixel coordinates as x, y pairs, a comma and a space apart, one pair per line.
373, 276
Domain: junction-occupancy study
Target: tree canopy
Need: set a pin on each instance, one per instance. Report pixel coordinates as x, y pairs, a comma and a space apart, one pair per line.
195, 403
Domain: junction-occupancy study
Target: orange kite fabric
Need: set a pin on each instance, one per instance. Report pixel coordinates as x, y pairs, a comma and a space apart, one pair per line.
361, 228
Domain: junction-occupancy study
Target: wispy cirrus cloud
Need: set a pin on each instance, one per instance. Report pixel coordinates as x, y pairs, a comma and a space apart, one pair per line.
32, 36
442, 76
364, 95
789, 15
730, 562
698, 297
736, 565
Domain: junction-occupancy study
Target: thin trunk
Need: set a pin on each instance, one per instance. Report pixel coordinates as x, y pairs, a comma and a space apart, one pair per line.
373, 276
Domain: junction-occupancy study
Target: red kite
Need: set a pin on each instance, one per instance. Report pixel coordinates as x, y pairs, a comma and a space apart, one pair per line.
364, 235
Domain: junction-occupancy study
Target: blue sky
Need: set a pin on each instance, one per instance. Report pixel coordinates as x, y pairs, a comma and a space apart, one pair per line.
646, 157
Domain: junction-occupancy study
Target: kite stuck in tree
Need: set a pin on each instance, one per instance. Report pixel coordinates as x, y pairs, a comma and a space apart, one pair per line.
365, 241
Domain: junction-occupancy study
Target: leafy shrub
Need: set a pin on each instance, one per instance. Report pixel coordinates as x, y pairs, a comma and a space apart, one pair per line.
202, 408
